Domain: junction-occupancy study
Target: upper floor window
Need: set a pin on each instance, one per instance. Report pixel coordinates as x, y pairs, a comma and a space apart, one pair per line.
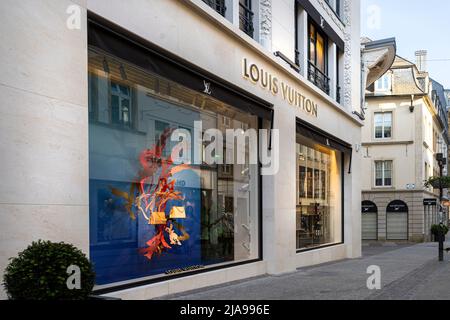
226, 122
383, 84
335, 5
383, 173
318, 58
218, 5
338, 75
435, 141
246, 17
383, 125
120, 104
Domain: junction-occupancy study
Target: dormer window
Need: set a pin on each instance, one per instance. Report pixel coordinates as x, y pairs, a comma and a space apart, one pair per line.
384, 84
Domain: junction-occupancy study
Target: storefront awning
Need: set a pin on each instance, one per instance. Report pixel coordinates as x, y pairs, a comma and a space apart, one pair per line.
122, 44
325, 139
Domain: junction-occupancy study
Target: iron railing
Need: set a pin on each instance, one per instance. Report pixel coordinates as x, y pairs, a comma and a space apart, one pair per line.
218, 5
338, 94
246, 19
317, 77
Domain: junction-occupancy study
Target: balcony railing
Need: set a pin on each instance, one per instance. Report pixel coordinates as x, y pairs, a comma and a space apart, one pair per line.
317, 77
218, 5
246, 20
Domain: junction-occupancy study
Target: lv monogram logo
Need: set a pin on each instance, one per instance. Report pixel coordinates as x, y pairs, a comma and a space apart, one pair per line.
207, 87
322, 22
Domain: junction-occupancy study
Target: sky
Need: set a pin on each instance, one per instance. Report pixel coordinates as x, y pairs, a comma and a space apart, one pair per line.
416, 25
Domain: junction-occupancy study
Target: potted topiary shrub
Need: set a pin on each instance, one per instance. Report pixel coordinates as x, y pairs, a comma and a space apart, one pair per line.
49, 271
435, 231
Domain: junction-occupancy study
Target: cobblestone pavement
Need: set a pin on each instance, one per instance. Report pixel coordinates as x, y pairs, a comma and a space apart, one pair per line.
407, 272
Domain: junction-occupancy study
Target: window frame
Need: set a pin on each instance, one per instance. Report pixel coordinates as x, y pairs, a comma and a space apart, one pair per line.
343, 156
232, 94
317, 31
386, 79
246, 16
383, 126
383, 171
336, 7
119, 83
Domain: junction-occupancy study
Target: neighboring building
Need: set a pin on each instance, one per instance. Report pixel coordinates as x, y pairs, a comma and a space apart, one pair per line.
447, 101
406, 126
83, 104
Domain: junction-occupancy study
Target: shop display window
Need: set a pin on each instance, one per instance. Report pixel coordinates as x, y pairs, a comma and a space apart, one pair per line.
149, 217
319, 194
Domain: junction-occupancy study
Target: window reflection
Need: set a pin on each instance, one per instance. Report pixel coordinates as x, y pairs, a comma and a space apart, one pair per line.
218, 222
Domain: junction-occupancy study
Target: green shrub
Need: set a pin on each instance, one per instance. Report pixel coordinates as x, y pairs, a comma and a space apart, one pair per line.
435, 229
40, 272
436, 182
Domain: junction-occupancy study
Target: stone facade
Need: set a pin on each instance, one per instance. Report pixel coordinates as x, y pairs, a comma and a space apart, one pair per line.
416, 212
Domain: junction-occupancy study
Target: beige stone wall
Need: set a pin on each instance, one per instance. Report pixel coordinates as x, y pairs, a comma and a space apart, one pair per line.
43, 127
411, 144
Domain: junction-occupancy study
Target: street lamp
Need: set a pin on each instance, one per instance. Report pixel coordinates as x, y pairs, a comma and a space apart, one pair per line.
441, 162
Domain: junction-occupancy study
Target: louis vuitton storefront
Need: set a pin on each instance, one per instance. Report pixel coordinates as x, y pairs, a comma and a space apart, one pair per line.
188, 154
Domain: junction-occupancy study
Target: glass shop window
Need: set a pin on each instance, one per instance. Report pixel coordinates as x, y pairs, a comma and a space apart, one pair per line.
148, 216
319, 212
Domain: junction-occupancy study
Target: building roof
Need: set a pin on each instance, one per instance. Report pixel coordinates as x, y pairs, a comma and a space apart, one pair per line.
377, 56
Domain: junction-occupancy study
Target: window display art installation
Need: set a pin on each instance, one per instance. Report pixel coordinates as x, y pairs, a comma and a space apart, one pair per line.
153, 195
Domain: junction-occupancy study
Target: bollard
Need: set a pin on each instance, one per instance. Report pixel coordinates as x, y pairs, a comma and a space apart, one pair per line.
441, 244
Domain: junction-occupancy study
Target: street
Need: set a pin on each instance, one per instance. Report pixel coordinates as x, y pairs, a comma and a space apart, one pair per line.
408, 272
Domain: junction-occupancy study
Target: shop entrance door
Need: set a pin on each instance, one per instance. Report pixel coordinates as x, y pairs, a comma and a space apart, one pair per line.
369, 220
397, 216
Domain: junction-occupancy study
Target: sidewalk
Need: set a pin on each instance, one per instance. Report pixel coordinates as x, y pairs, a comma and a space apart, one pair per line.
407, 272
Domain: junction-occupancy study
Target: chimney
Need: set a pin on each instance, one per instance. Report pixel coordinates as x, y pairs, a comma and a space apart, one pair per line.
421, 60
